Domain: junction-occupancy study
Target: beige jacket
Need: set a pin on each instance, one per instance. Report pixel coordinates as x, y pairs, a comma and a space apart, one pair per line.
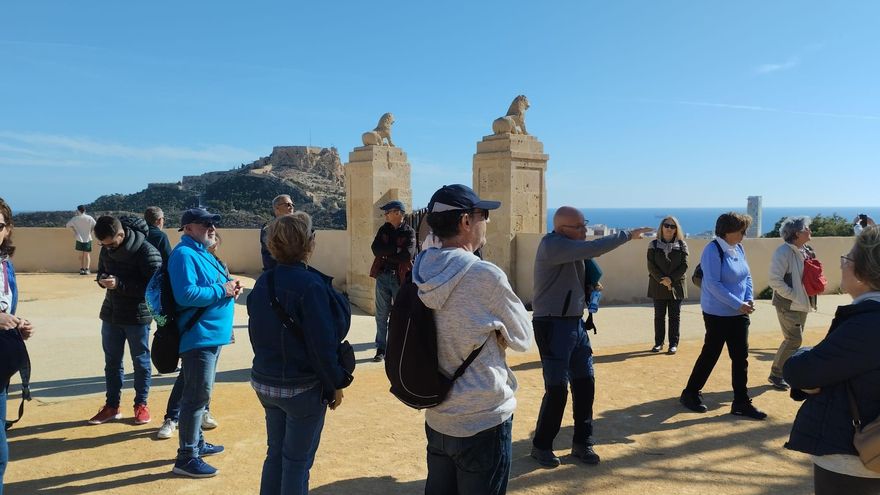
788, 259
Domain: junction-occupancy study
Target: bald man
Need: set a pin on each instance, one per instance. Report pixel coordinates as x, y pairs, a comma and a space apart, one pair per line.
564, 344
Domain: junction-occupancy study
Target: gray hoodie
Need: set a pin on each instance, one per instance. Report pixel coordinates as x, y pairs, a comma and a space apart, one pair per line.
473, 303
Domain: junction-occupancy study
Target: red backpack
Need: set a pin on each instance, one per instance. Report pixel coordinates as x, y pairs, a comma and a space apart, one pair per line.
814, 281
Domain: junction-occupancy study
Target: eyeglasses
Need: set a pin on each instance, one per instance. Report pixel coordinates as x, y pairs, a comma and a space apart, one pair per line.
2, 226
288, 204
670, 226
845, 260
208, 225
483, 213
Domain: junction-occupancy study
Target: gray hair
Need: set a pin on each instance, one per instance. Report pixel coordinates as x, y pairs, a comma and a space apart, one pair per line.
153, 214
791, 226
277, 200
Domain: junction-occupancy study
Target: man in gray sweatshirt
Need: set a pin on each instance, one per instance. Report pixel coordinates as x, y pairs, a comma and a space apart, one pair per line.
564, 344
469, 433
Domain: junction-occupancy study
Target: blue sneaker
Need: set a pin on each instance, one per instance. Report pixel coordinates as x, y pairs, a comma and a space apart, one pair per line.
194, 468
210, 449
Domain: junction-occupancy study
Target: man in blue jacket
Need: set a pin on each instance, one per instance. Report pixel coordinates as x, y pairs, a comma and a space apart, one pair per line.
198, 281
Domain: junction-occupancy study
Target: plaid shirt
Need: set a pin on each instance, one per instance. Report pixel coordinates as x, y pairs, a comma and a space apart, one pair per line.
273, 392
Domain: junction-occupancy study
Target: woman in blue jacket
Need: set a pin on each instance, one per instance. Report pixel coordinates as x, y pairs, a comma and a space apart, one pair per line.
727, 301
296, 373
9, 322
846, 361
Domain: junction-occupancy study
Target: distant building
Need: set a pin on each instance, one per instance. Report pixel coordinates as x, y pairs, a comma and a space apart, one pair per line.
754, 210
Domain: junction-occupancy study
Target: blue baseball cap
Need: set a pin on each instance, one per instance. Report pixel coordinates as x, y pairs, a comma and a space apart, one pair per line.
458, 197
197, 215
393, 205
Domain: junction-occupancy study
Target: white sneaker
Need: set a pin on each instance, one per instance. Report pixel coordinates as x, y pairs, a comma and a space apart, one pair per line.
208, 421
168, 428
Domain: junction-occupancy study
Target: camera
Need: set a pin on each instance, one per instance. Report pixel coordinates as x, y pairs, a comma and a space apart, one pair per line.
863, 220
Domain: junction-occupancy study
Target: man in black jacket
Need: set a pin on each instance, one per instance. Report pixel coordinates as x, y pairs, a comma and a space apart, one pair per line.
125, 266
394, 248
281, 205
156, 222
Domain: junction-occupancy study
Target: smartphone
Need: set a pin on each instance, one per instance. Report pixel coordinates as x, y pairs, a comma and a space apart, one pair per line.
863, 220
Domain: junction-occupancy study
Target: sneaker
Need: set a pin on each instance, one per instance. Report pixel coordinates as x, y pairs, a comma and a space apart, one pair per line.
778, 382
86, 272
672, 349
82, 272
657, 348
194, 468
141, 414
169, 426
105, 414
544, 457
208, 421
379, 357
210, 449
693, 401
585, 453
747, 410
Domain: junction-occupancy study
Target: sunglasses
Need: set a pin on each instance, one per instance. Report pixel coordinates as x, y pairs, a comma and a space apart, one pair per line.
483, 213
2, 226
669, 225
289, 205
208, 225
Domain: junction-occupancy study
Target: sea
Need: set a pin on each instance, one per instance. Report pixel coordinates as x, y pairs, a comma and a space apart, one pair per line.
697, 222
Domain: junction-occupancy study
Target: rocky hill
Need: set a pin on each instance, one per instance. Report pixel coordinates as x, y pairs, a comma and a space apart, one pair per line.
312, 176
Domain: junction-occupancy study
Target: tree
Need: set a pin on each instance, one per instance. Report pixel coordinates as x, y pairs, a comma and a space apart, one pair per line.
821, 226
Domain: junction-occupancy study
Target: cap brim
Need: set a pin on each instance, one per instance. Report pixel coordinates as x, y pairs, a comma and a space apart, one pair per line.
488, 205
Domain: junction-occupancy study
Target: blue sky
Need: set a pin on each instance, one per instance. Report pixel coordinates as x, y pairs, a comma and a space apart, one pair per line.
638, 103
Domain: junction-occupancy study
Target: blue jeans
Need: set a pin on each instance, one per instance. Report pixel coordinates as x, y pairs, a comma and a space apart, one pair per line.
475, 465
4, 448
198, 370
172, 410
113, 339
566, 358
293, 431
387, 285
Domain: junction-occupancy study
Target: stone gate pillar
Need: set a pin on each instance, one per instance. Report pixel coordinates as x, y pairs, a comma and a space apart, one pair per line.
374, 175
511, 168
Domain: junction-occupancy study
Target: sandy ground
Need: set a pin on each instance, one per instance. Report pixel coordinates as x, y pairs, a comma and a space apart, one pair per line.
374, 445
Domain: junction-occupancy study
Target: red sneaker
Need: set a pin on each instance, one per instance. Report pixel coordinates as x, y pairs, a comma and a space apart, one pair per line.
141, 414
105, 414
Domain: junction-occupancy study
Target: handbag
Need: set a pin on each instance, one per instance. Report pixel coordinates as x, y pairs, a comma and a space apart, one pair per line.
867, 437
814, 280
14, 359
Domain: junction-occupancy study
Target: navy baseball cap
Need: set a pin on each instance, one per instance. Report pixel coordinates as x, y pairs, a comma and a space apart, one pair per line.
197, 215
458, 197
393, 205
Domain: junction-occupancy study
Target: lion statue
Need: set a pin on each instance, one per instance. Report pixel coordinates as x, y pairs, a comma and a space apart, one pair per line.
381, 133
515, 120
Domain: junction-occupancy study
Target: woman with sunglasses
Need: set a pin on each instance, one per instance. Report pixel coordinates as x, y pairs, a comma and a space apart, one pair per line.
727, 300
844, 367
667, 264
9, 322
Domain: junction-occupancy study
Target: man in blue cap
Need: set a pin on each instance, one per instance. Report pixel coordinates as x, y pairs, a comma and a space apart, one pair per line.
394, 248
199, 281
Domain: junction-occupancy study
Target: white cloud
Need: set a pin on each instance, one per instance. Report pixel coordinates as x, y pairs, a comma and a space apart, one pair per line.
787, 65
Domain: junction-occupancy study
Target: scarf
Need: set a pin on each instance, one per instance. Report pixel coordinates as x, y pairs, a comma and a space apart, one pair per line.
668, 247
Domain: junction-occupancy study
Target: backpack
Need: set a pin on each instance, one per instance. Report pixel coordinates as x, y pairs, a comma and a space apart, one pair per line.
411, 362
814, 280
165, 350
14, 359
697, 277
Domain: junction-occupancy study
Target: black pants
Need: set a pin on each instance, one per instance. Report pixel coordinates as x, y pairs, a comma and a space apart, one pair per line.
827, 482
660, 307
720, 330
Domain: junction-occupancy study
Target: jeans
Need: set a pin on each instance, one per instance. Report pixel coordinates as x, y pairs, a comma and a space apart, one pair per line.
387, 285
827, 482
475, 465
4, 448
198, 370
113, 339
720, 330
792, 324
566, 357
172, 410
293, 431
660, 308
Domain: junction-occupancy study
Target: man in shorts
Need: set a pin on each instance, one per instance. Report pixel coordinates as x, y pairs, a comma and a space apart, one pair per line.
82, 225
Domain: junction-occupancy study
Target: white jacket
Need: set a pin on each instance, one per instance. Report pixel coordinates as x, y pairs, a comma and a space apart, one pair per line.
788, 259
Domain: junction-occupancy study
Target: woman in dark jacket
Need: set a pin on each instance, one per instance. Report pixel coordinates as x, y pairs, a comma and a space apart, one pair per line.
9, 322
296, 373
667, 264
848, 357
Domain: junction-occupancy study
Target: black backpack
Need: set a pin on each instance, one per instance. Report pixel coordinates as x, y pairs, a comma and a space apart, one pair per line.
14, 359
411, 362
165, 350
697, 277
